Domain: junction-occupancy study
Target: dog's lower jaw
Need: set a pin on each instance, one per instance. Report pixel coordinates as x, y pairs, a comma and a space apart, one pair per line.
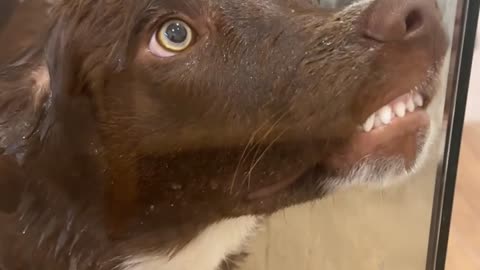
208, 251
430, 150
433, 138
380, 174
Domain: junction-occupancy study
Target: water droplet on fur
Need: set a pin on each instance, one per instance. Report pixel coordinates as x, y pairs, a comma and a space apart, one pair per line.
175, 186
214, 185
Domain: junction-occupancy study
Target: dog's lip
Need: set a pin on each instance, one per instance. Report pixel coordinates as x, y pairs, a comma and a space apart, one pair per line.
382, 142
393, 96
423, 83
397, 139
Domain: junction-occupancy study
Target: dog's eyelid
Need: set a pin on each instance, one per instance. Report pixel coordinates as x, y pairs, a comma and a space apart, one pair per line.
168, 15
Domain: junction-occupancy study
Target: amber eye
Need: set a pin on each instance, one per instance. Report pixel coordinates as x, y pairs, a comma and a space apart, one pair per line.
173, 37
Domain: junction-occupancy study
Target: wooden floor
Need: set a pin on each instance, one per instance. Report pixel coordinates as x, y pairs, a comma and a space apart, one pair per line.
464, 244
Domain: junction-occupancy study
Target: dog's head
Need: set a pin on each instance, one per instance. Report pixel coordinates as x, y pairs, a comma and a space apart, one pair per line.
194, 111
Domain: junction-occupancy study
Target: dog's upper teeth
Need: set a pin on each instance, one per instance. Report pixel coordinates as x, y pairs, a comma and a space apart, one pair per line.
377, 122
368, 125
418, 99
410, 104
399, 109
385, 114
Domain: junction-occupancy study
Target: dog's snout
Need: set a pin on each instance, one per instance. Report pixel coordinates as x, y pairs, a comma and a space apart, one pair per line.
402, 20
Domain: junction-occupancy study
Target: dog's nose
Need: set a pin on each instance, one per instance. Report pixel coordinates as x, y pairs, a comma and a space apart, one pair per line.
398, 20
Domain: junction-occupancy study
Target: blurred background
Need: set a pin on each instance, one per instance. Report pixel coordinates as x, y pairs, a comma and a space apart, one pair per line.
464, 244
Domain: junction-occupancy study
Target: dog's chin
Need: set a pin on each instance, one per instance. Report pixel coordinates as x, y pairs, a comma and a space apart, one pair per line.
385, 171
377, 160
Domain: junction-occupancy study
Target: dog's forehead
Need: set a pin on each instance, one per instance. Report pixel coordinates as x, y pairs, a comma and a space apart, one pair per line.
240, 7
235, 9
258, 5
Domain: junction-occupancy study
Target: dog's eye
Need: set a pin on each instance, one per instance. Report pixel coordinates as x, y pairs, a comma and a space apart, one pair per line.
173, 37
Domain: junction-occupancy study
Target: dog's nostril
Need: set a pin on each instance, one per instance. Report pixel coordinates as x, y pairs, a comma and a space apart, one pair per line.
396, 20
413, 21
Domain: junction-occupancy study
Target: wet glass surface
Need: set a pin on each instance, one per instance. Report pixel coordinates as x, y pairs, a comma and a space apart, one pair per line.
307, 134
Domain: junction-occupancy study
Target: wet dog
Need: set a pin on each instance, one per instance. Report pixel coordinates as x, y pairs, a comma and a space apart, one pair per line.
158, 134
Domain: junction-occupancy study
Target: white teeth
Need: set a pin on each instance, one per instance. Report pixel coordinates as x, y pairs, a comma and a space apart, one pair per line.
368, 125
385, 115
418, 99
399, 109
378, 122
410, 104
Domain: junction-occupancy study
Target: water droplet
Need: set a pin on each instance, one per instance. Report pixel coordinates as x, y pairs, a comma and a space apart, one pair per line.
214, 185
175, 186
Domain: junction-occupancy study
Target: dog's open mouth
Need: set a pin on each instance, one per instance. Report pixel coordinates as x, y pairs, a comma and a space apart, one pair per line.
394, 131
391, 131
397, 111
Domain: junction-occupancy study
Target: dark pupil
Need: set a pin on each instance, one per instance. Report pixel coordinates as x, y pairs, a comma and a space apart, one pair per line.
176, 33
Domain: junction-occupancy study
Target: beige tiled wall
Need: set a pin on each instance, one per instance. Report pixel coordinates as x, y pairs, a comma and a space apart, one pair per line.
353, 230
473, 104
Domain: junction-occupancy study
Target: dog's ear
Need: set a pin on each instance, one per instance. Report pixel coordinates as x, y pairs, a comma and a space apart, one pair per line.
74, 64
88, 39
61, 59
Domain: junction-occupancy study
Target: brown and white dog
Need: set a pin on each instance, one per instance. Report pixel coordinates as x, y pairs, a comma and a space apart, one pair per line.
156, 134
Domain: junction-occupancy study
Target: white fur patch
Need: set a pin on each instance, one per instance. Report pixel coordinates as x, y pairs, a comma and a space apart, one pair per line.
206, 252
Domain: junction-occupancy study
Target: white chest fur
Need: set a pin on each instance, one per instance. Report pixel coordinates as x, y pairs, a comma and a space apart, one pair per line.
205, 252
